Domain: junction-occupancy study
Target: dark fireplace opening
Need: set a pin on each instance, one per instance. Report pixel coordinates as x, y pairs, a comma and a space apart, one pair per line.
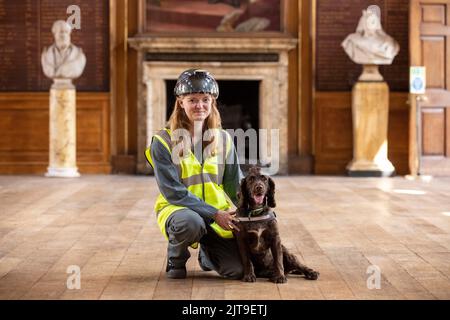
238, 104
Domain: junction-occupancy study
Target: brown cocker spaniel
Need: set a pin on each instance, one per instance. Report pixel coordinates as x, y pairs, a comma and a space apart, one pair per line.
258, 237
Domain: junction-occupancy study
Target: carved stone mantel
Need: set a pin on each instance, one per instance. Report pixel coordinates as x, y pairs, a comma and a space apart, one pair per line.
273, 77
213, 44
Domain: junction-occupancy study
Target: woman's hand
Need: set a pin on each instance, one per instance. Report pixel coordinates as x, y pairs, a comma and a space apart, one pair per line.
226, 219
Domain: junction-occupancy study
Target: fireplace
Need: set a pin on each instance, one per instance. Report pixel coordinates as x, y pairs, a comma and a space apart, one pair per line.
238, 105
256, 66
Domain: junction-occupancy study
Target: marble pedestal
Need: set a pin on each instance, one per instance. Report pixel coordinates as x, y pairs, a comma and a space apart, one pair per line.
370, 109
62, 157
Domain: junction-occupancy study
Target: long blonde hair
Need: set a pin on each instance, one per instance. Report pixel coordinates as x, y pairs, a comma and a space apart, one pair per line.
179, 120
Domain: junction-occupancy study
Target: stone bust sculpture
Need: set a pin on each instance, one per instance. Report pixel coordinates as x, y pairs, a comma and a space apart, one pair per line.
63, 60
370, 44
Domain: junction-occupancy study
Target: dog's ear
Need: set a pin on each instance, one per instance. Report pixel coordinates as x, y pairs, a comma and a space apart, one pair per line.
243, 195
271, 194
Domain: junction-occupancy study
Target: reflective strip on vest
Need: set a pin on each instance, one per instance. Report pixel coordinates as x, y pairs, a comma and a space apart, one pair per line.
149, 157
204, 181
164, 137
197, 179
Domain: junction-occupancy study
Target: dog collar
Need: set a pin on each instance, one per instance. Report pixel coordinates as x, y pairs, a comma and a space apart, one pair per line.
268, 216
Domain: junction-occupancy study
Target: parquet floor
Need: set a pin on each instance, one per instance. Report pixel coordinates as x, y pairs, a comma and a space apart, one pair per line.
340, 226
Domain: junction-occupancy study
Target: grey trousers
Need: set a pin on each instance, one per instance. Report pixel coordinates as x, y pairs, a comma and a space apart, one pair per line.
185, 227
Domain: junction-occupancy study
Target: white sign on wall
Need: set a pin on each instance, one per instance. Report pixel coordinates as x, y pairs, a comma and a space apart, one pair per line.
417, 80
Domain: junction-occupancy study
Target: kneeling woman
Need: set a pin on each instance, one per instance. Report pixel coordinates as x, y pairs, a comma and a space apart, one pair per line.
198, 179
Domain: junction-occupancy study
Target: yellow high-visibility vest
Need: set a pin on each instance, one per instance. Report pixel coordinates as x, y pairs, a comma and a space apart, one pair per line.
204, 181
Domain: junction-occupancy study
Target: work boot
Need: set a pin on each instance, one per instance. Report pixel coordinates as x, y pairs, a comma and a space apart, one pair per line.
173, 272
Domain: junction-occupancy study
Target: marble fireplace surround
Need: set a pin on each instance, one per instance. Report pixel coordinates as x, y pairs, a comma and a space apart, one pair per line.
272, 76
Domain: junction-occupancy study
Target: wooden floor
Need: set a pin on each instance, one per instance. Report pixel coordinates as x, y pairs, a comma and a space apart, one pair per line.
339, 226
